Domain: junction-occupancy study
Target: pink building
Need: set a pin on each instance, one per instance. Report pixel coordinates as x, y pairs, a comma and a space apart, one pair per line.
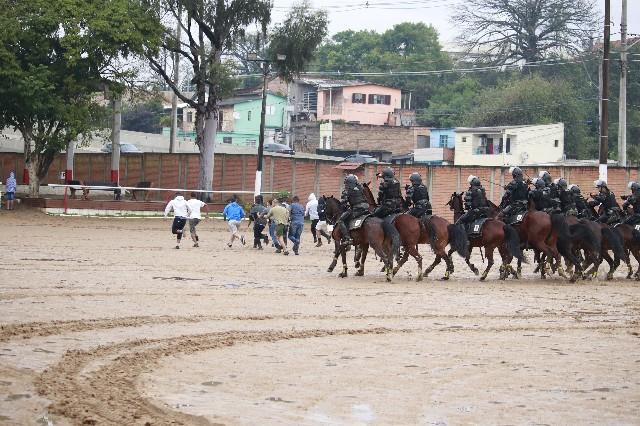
358, 102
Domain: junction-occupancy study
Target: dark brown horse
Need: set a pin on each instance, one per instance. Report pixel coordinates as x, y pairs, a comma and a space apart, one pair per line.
495, 235
434, 231
374, 232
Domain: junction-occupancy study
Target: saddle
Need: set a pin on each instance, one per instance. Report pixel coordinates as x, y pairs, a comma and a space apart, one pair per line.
516, 219
474, 229
357, 222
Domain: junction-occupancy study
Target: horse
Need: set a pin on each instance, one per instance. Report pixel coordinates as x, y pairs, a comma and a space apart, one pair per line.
495, 235
435, 231
374, 232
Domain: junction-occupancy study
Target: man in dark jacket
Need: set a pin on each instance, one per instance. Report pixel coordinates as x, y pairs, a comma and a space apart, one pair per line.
551, 193
581, 204
516, 194
475, 202
355, 205
567, 201
537, 194
607, 200
418, 197
389, 195
632, 200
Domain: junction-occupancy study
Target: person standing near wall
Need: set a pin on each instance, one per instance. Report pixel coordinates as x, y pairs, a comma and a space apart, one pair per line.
296, 212
311, 210
11, 190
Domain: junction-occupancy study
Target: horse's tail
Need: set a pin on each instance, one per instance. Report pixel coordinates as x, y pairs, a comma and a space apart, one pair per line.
614, 241
457, 239
390, 230
512, 241
585, 235
636, 235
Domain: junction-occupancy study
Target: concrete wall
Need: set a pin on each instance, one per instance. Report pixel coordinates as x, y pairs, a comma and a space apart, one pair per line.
398, 140
529, 145
235, 172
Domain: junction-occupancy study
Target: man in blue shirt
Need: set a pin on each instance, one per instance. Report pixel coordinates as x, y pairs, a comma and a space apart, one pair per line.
296, 214
233, 213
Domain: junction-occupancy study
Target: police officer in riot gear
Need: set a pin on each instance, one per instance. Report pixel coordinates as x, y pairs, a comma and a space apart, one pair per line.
551, 193
475, 202
389, 195
418, 196
516, 193
580, 202
537, 194
632, 200
354, 202
607, 199
567, 201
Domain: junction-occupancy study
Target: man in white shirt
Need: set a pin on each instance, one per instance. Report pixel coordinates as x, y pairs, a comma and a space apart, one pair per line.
311, 210
194, 218
181, 211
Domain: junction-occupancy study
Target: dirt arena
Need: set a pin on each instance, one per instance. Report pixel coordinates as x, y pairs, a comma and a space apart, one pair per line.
104, 322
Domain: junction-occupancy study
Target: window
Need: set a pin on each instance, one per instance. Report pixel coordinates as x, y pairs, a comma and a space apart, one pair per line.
189, 117
444, 141
423, 141
508, 148
251, 143
248, 115
220, 120
380, 99
464, 139
310, 101
359, 98
556, 143
236, 115
324, 142
500, 146
271, 110
227, 139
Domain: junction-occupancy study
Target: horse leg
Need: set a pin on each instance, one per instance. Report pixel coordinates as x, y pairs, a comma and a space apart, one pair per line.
612, 264
629, 267
636, 255
401, 261
435, 263
357, 253
416, 255
488, 253
343, 274
506, 269
472, 266
363, 257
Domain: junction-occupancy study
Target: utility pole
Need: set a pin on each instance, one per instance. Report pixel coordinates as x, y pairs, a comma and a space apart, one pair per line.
622, 119
115, 139
174, 97
604, 114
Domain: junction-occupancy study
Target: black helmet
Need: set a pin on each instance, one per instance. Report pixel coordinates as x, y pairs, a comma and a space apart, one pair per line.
539, 183
600, 184
634, 186
350, 179
562, 183
473, 180
546, 177
575, 189
388, 173
415, 178
516, 172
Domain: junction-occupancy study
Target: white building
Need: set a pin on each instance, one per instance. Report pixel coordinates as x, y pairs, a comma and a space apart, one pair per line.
509, 145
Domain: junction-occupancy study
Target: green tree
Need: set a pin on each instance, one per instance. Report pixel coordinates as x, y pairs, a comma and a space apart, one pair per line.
143, 116
54, 55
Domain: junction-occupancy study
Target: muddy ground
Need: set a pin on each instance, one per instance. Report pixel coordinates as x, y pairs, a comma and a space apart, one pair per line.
104, 322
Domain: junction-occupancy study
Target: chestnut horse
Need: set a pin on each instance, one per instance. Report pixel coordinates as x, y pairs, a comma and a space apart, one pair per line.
434, 230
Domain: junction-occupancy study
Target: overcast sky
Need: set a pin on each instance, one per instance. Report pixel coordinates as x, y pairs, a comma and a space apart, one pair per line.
384, 14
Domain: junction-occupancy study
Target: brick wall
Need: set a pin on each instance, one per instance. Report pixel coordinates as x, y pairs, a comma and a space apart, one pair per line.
398, 140
299, 176
305, 136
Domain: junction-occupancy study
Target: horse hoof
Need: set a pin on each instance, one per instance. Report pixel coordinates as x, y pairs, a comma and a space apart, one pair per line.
359, 274
342, 275
357, 265
475, 270
609, 277
394, 272
330, 270
419, 278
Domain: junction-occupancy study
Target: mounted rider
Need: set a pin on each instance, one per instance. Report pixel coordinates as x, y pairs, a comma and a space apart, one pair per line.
389, 195
551, 193
355, 204
567, 201
418, 197
632, 200
475, 202
607, 200
537, 194
580, 202
517, 194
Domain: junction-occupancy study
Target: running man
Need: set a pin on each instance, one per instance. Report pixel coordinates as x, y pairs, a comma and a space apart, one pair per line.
280, 216
194, 218
234, 213
311, 210
181, 212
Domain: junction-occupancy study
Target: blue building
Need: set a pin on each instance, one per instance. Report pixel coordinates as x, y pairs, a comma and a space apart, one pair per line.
443, 138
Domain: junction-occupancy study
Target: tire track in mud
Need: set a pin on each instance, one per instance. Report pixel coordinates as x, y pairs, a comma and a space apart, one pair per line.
42, 329
108, 395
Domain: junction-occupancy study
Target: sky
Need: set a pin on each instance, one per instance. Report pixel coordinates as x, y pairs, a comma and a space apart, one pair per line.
384, 14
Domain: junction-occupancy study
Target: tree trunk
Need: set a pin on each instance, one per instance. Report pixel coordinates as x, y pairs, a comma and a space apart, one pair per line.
34, 180
207, 153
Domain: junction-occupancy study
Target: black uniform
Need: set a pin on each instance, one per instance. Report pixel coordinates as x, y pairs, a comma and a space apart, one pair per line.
355, 204
611, 210
581, 206
567, 203
551, 194
389, 198
539, 198
634, 201
517, 195
418, 195
475, 202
